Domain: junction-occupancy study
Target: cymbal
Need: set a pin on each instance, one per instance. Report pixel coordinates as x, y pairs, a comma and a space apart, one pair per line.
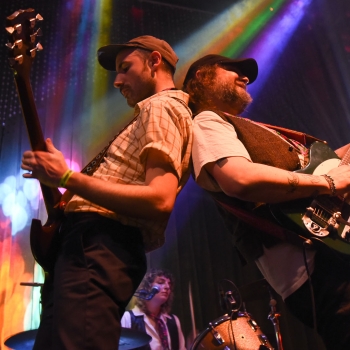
129, 339
22, 341
256, 290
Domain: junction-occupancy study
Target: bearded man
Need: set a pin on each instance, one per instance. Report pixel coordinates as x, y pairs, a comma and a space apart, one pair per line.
243, 163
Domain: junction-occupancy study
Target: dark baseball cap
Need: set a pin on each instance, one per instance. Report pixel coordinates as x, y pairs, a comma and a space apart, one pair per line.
247, 66
108, 54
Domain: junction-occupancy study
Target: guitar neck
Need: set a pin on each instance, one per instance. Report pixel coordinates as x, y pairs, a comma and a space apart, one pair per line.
51, 195
30, 113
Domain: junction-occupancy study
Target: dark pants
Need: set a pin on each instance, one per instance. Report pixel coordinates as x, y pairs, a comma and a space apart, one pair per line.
331, 284
99, 267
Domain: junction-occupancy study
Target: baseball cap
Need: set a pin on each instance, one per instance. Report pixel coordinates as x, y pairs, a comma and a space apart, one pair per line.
247, 66
108, 54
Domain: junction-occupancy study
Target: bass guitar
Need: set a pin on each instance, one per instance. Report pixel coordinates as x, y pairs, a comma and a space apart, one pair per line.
323, 219
22, 46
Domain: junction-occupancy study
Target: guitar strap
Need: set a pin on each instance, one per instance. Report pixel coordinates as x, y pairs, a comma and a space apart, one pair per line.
260, 223
92, 166
301, 137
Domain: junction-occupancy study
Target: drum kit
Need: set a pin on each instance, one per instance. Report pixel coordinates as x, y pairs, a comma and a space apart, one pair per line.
129, 338
237, 330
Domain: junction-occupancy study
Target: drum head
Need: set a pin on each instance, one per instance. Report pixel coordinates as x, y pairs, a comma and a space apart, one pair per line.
237, 334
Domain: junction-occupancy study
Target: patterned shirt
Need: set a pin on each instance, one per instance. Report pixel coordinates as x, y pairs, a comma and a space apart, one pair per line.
162, 122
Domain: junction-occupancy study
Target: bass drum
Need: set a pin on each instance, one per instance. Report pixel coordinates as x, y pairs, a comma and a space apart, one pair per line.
242, 333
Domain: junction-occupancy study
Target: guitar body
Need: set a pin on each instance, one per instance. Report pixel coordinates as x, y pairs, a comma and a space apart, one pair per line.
22, 50
322, 219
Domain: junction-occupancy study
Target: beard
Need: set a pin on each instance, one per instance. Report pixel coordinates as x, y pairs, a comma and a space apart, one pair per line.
234, 95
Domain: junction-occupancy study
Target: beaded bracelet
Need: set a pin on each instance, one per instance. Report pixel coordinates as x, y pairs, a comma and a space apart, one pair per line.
331, 184
65, 177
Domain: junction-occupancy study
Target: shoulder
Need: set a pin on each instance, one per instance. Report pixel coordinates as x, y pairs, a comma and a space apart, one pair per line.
172, 98
209, 117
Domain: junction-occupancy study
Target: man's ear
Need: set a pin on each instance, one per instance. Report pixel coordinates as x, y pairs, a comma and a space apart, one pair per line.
155, 59
198, 74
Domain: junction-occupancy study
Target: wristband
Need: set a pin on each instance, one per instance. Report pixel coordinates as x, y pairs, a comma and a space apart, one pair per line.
65, 177
331, 184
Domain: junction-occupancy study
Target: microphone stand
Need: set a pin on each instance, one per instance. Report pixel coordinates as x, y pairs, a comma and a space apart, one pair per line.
273, 317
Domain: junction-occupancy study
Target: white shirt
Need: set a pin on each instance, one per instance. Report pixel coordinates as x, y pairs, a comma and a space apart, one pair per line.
214, 138
151, 328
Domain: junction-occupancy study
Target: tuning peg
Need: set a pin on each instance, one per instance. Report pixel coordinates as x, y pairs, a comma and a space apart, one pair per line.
14, 60
17, 27
32, 22
38, 47
34, 35
10, 29
18, 43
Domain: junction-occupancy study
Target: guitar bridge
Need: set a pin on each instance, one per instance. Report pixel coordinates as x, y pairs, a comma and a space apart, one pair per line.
319, 221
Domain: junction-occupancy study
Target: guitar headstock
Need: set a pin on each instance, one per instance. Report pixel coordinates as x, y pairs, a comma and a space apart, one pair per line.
22, 35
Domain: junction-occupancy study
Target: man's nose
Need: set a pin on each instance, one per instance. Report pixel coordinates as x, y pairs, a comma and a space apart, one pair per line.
117, 81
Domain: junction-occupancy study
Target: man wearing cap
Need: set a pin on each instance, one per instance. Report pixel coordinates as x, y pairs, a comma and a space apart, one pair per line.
121, 210
244, 164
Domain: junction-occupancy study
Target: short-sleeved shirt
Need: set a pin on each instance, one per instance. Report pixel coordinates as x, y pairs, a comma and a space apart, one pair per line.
214, 138
162, 122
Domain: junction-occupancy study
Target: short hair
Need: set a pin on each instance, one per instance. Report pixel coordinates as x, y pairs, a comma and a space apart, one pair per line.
197, 87
144, 54
147, 283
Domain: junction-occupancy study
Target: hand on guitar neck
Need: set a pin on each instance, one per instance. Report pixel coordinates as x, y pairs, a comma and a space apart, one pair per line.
48, 167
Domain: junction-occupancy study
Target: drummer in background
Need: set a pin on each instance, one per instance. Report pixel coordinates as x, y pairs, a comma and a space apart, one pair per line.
153, 316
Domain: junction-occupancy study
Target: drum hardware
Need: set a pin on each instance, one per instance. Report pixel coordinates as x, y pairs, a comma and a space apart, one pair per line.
216, 334
129, 339
232, 332
231, 300
273, 317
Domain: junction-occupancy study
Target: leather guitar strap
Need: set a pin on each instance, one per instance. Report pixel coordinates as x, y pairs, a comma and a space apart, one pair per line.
92, 166
262, 224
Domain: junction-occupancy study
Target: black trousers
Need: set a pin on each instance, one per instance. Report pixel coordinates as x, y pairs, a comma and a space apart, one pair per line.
99, 267
331, 285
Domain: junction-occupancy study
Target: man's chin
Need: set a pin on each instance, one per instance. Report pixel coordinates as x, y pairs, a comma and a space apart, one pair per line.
131, 103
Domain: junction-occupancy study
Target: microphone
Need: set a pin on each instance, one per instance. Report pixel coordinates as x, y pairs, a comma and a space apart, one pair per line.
155, 290
144, 294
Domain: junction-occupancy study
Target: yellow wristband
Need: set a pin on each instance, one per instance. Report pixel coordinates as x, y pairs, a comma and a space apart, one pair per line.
65, 177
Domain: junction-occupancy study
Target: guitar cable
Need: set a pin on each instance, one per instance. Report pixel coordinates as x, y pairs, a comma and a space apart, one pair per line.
307, 244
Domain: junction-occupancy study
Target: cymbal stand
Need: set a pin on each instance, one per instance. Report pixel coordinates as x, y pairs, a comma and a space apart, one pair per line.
273, 317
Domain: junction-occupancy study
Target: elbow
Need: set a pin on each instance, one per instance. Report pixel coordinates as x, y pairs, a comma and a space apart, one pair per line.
237, 190
163, 208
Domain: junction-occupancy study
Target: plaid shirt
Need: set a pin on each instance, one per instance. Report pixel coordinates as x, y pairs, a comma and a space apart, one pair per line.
162, 122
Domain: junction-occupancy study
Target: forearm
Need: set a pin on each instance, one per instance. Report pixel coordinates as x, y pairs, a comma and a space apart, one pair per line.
272, 185
254, 182
147, 202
